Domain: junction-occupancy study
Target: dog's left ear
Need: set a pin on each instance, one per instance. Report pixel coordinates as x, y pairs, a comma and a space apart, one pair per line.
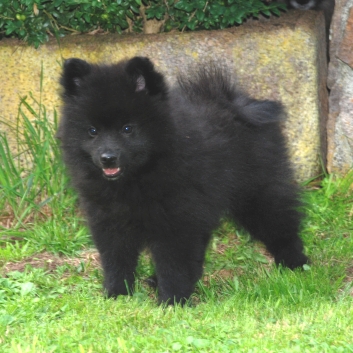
73, 73
144, 76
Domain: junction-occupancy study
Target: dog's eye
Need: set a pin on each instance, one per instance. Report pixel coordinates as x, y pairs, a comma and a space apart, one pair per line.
92, 131
127, 129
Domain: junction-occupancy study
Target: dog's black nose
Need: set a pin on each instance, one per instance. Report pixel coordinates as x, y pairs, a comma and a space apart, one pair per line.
108, 158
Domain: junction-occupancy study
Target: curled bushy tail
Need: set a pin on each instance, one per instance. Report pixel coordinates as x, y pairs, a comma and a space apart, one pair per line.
258, 112
212, 83
207, 82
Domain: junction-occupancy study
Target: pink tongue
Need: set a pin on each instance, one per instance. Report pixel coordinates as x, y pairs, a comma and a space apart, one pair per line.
111, 171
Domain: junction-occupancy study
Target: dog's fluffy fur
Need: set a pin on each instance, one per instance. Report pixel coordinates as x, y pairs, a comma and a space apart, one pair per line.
157, 167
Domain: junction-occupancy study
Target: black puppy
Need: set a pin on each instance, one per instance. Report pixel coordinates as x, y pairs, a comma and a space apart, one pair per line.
158, 167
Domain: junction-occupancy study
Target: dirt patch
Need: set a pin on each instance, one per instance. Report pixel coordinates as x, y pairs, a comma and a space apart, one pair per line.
349, 274
51, 262
219, 275
91, 260
349, 278
8, 219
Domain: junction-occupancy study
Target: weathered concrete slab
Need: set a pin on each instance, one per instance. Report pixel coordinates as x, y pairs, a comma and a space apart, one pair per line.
282, 59
340, 81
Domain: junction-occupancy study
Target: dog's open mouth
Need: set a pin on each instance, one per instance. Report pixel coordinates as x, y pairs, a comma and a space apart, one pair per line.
111, 173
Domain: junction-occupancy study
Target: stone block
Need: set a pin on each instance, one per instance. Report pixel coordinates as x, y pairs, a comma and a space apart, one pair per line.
283, 59
340, 81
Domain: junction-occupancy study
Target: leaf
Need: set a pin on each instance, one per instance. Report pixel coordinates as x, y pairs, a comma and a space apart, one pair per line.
134, 9
185, 6
177, 346
306, 267
189, 339
200, 15
6, 319
27, 288
200, 4
200, 342
87, 17
192, 24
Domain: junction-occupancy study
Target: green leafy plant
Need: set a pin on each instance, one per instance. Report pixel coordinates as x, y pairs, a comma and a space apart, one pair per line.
27, 175
34, 186
35, 20
216, 14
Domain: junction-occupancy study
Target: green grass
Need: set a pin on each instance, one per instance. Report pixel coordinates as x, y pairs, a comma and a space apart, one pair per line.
37, 206
50, 288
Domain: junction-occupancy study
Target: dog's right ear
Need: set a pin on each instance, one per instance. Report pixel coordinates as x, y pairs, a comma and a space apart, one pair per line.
144, 76
73, 73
